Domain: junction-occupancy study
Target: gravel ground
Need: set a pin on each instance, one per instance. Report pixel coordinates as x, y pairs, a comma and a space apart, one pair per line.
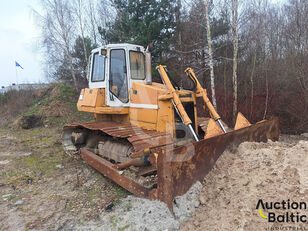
225, 200
227, 197
135, 213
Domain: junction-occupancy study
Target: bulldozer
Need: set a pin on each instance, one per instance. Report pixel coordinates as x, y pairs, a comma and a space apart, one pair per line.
147, 136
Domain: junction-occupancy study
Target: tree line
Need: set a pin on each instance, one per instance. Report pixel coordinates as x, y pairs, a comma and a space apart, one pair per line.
251, 56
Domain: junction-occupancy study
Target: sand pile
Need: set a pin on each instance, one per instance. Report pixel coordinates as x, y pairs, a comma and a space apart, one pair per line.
272, 171
227, 198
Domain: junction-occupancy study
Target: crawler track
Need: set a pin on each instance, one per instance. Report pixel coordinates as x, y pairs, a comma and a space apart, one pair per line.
139, 138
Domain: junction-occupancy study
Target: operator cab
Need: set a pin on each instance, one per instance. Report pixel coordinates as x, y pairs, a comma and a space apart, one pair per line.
115, 67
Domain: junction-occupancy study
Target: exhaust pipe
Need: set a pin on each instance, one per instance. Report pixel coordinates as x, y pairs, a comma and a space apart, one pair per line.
148, 67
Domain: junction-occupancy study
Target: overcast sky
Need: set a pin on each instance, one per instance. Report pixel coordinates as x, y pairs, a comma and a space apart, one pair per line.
19, 42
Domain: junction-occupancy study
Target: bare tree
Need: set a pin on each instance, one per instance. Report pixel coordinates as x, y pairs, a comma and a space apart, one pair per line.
82, 23
235, 51
265, 63
91, 12
105, 13
209, 41
58, 32
252, 81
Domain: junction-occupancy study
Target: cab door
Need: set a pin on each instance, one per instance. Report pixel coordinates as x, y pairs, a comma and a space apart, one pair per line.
118, 92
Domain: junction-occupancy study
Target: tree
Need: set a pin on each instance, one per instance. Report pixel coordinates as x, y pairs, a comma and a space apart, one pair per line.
209, 41
79, 11
58, 32
80, 62
235, 50
141, 22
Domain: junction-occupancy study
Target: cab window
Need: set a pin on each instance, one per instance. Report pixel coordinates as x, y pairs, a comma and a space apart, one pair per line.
118, 79
98, 68
137, 65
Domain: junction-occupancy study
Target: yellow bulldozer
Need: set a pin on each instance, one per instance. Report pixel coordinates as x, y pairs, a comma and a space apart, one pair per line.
147, 136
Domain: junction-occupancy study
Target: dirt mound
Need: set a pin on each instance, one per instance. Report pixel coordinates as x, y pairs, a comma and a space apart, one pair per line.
272, 171
56, 103
31, 121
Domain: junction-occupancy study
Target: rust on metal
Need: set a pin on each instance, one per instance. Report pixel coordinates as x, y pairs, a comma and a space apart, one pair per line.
138, 137
178, 169
134, 162
110, 171
147, 170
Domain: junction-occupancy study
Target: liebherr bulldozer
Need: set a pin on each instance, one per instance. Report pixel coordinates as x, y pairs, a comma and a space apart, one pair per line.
147, 136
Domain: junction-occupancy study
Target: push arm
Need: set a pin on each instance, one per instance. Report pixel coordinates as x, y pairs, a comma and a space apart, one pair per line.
200, 91
176, 100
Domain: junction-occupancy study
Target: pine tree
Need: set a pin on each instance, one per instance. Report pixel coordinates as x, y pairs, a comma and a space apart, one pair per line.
141, 22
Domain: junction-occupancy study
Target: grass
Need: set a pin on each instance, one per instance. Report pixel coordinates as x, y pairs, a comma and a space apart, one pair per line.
128, 207
11, 197
120, 192
63, 99
117, 202
45, 152
38, 165
123, 228
66, 93
114, 220
89, 198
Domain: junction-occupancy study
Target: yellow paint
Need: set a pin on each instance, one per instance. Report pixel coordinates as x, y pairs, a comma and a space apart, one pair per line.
142, 93
110, 110
90, 99
142, 114
167, 96
176, 98
143, 124
260, 211
100, 98
160, 119
165, 117
241, 122
212, 129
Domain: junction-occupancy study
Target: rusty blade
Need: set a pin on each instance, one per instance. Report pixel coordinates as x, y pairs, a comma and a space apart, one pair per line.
108, 170
178, 169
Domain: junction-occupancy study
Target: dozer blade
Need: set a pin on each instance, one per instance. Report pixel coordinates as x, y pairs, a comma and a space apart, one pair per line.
179, 168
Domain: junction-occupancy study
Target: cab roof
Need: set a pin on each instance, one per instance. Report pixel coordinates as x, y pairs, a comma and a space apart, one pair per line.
120, 45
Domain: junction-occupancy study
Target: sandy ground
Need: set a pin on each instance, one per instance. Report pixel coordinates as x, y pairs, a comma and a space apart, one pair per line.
42, 189
272, 171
